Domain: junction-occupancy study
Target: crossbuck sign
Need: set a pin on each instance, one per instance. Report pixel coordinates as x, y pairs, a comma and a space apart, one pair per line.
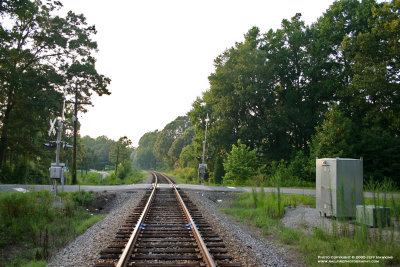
52, 129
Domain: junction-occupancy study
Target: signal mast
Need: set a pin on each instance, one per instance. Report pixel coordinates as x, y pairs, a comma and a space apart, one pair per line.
203, 165
57, 168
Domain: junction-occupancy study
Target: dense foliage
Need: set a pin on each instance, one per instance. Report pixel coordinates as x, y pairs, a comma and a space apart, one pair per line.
240, 165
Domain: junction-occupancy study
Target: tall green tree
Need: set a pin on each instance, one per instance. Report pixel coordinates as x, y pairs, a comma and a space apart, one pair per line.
238, 92
372, 97
120, 153
287, 62
42, 56
333, 137
179, 143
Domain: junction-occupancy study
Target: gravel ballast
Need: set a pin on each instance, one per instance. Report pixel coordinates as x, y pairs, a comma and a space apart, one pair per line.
245, 243
85, 249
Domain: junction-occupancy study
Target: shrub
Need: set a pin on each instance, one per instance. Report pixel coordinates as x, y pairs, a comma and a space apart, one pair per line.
24, 215
124, 169
240, 165
219, 171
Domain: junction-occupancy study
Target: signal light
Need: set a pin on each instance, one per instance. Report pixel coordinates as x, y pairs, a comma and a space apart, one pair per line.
66, 146
198, 158
50, 145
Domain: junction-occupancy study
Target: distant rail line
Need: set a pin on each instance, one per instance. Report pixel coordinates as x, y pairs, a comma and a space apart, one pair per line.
165, 229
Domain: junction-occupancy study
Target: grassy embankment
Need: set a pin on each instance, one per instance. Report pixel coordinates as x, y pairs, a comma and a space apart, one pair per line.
34, 225
264, 210
184, 175
95, 178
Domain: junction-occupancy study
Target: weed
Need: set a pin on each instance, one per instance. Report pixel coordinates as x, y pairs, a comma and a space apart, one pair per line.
32, 221
82, 198
82, 226
35, 264
289, 235
320, 234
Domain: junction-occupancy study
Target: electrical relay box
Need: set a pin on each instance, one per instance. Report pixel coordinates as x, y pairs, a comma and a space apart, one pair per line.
57, 170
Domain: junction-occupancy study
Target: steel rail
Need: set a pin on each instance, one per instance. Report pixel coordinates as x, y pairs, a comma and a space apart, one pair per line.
123, 260
200, 242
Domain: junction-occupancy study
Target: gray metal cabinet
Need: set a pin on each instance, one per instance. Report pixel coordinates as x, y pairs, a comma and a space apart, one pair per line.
339, 186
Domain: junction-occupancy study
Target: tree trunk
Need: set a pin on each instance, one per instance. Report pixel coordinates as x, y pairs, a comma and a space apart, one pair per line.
11, 158
4, 134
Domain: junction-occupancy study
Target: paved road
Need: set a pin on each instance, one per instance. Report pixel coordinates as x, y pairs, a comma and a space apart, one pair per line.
100, 188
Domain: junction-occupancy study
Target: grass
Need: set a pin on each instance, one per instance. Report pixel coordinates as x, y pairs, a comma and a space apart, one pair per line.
82, 226
94, 178
38, 223
184, 175
264, 211
35, 264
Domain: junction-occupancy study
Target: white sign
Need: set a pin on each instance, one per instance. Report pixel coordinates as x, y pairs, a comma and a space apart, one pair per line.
52, 129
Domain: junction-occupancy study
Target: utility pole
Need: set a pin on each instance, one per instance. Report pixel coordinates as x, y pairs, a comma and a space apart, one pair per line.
74, 180
75, 119
116, 162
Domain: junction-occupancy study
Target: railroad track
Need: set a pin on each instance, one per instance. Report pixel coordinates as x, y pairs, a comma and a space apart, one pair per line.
166, 229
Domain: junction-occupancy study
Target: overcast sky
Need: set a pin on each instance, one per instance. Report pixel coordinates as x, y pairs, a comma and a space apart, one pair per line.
159, 54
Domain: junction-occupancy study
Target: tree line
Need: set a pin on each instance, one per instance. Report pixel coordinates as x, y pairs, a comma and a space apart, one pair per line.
329, 89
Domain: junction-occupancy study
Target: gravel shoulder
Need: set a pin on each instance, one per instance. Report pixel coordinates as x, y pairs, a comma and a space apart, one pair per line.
85, 249
245, 243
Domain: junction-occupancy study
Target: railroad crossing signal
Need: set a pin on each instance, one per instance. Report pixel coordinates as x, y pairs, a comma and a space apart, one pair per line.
202, 165
57, 168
